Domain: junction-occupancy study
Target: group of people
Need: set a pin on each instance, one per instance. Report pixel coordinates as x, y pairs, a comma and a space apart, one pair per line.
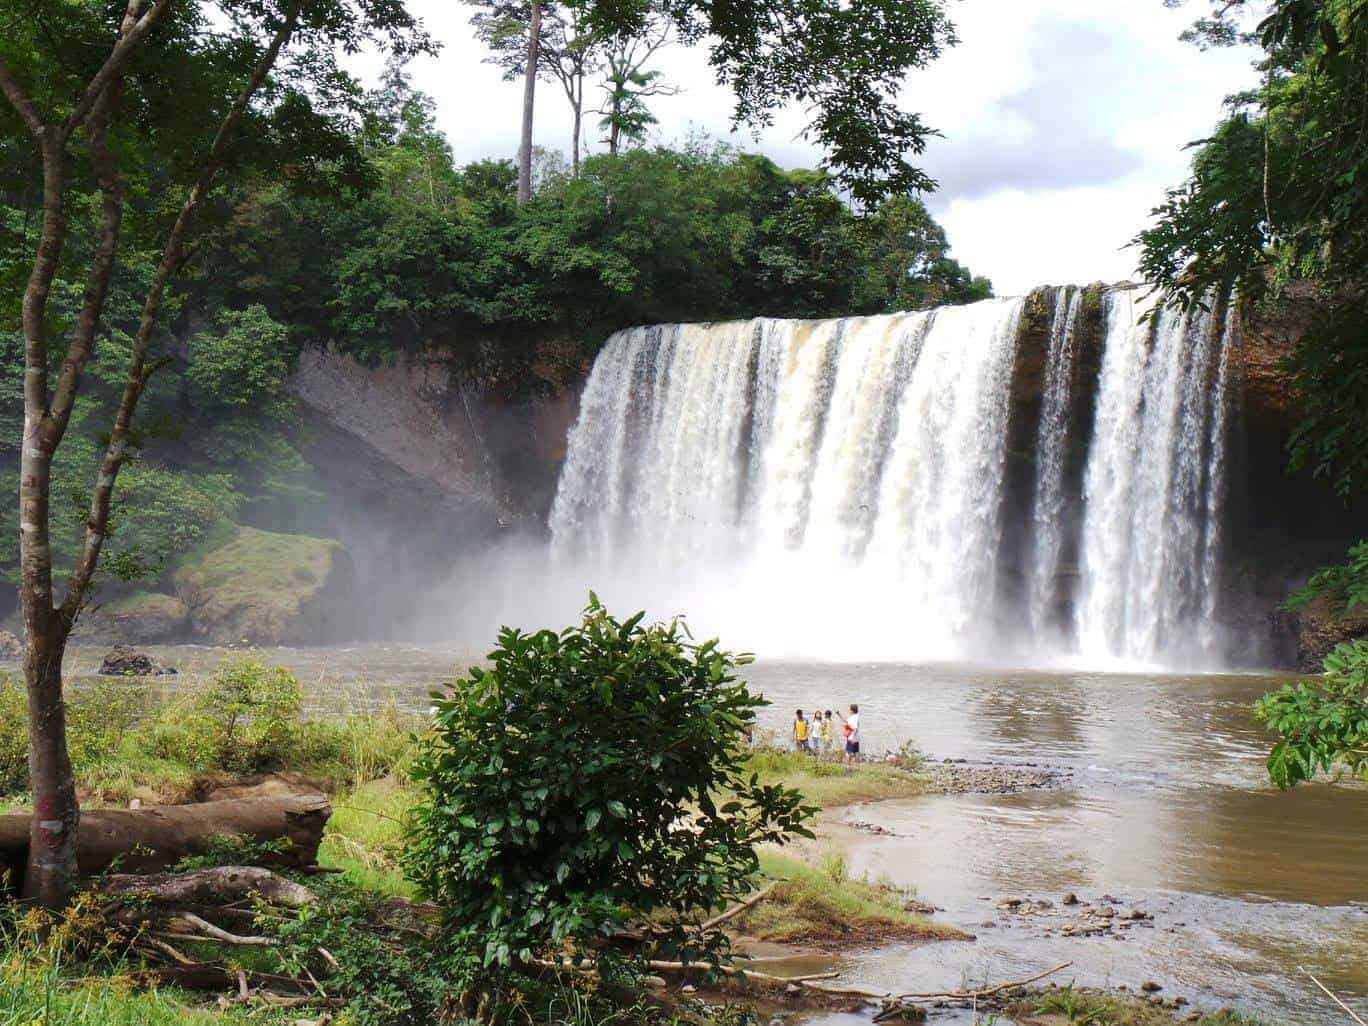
818, 734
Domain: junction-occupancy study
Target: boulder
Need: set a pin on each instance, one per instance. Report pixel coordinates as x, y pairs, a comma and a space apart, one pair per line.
125, 661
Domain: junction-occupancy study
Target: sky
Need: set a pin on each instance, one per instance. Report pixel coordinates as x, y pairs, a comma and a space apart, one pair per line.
1063, 122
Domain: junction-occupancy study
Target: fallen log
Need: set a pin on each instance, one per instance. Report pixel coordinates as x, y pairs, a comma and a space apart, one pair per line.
156, 837
219, 885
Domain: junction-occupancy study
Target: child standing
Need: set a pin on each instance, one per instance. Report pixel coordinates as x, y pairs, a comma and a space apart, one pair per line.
801, 733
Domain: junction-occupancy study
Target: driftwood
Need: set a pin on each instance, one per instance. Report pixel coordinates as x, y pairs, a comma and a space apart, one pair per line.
220, 885
209, 932
157, 837
735, 911
895, 1002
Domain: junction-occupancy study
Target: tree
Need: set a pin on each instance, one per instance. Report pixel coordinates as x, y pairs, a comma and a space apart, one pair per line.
627, 84
589, 779
78, 76
568, 51
844, 61
1277, 198
1321, 723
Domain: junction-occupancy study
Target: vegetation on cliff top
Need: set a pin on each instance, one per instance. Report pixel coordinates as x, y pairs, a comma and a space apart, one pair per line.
1277, 197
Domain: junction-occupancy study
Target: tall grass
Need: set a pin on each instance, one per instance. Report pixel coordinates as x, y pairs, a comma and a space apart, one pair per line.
829, 781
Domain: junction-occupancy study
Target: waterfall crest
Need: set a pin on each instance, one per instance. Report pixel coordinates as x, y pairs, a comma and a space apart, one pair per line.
837, 488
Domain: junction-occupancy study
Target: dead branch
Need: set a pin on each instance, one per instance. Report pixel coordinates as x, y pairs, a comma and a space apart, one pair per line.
220, 885
732, 913
221, 935
963, 995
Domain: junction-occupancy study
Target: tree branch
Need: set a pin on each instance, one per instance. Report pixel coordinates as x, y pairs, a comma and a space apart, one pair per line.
97, 519
115, 62
82, 343
20, 100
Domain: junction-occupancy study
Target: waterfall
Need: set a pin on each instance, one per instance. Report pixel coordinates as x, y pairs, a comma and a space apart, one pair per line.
1153, 482
838, 488
1052, 444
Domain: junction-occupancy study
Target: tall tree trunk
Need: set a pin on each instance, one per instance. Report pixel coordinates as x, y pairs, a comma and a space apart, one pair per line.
529, 99
575, 145
56, 814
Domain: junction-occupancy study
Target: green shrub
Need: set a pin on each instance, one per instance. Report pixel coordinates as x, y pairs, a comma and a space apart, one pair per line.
570, 788
100, 717
247, 720
14, 776
1321, 723
1345, 586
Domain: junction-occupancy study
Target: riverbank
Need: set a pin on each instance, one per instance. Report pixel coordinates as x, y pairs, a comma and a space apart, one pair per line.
863, 824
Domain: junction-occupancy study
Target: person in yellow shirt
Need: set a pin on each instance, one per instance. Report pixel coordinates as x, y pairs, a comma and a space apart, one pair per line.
802, 732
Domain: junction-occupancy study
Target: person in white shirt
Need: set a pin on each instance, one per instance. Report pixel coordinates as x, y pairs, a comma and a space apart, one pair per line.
852, 734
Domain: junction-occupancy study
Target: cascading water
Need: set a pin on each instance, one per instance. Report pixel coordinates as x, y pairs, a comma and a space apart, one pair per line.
837, 488
1152, 492
1052, 443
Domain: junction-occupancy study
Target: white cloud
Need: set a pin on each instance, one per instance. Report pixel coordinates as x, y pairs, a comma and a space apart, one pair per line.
1063, 122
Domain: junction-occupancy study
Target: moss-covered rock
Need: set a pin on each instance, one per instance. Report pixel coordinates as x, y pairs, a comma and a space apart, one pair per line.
263, 587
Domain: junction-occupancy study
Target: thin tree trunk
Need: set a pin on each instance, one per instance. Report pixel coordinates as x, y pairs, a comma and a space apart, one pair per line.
52, 867
577, 101
529, 99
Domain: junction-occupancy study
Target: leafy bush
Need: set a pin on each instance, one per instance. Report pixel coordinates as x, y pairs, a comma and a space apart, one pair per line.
571, 789
1345, 585
245, 721
100, 716
1321, 723
391, 974
14, 773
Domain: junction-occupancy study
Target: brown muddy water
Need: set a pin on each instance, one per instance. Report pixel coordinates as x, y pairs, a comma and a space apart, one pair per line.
1166, 808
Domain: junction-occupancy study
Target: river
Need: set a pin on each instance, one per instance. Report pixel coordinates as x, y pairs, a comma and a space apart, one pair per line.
1167, 807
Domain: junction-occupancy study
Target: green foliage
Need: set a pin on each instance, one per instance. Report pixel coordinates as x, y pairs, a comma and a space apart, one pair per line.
391, 973
100, 716
1279, 195
556, 783
246, 720
1321, 723
1344, 586
13, 735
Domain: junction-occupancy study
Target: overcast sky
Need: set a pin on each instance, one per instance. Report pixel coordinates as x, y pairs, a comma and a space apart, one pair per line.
1063, 122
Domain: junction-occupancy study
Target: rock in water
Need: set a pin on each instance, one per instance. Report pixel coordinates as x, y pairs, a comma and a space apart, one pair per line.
124, 661
10, 646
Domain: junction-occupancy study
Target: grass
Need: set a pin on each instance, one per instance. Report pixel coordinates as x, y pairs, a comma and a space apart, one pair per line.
1083, 1007
363, 837
243, 579
822, 905
127, 741
829, 783
29, 997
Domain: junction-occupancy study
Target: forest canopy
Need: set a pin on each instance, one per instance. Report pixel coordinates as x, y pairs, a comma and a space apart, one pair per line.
397, 247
